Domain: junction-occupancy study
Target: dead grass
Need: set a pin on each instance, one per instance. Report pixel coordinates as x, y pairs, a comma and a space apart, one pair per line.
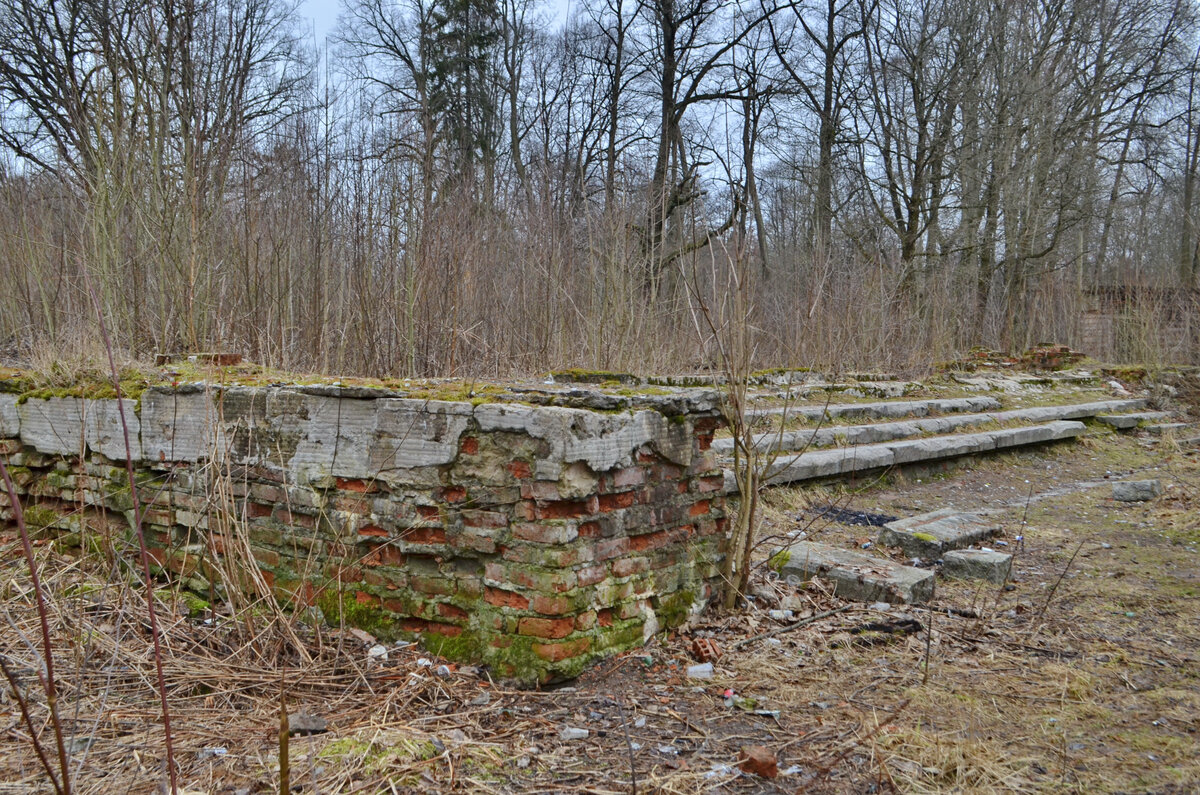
1099, 695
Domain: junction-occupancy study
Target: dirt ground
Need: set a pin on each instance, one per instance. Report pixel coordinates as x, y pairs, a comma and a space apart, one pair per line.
1082, 675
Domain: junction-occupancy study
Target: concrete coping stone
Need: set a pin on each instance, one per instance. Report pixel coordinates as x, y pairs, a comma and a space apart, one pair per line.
857, 576
929, 535
977, 564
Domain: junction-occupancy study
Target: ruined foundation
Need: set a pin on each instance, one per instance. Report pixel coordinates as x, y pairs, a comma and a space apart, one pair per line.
533, 538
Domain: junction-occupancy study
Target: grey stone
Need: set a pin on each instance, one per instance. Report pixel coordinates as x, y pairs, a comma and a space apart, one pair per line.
1127, 421
10, 420
929, 535
1136, 490
1162, 428
977, 564
857, 576
180, 425
53, 425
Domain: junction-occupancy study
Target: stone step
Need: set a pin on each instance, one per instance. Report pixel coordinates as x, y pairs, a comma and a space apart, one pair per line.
977, 564
848, 460
1124, 422
1161, 428
855, 575
929, 535
882, 410
872, 433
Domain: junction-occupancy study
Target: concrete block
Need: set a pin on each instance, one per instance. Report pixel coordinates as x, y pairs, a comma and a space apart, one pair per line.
929, 535
1136, 490
857, 576
10, 420
1126, 422
977, 564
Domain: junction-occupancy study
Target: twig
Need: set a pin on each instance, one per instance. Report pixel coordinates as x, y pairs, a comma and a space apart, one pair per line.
48, 681
633, 788
1053, 588
801, 623
33, 734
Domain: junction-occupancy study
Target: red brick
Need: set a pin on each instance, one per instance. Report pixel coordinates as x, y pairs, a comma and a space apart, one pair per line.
384, 555
550, 605
364, 598
592, 575
352, 484
665, 471
492, 519
500, 598
544, 533
371, 530
563, 509
520, 470
546, 627
649, 541
469, 445
428, 512
554, 652
267, 557
525, 509
284, 516
424, 535
450, 611
704, 441
256, 510
540, 490
627, 566
454, 493
612, 548
585, 621
628, 477
449, 630
699, 508
630, 610
613, 502
434, 586
605, 617
710, 484
590, 530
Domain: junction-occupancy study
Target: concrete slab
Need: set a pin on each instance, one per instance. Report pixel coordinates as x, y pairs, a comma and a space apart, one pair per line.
857, 576
930, 535
977, 564
1126, 421
1167, 427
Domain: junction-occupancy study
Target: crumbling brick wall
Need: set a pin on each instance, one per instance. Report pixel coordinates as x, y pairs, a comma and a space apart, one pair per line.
534, 538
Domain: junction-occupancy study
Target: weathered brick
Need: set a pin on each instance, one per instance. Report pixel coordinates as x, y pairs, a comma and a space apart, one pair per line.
469, 445
520, 470
540, 490
556, 652
585, 620
355, 485
424, 535
700, 508
434, 586
628, 477
611, 548
452, 612
605, 617
592, 574
546, 627
613, 502
502, 598
708, 484
550, 605
626, 567
368, 599
562, 509
454, 494
373, 531
546, 533
478, 518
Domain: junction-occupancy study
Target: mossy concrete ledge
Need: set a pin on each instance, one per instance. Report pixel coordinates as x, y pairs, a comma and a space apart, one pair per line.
534, 536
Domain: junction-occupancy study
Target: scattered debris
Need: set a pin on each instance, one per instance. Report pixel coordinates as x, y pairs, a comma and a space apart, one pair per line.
706, 650
759, 760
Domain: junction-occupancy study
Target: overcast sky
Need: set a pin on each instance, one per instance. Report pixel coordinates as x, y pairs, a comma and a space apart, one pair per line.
324, 13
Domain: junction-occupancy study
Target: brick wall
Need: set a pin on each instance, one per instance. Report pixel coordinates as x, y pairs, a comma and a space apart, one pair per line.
534, 538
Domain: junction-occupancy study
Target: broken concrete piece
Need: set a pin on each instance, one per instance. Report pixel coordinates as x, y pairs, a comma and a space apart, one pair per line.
859, 577
928, 535
1136, 490
977, 564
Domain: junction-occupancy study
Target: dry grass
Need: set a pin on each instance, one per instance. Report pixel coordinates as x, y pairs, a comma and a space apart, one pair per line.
1099, 695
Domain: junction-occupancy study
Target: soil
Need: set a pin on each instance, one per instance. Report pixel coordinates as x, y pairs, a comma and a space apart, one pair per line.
1080, 675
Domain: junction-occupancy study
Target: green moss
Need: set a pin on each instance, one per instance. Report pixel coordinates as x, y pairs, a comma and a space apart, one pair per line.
341, 608
780, 559
673, 610
926, 537
39, 517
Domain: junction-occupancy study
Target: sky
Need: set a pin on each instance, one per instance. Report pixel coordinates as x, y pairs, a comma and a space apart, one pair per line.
324, 14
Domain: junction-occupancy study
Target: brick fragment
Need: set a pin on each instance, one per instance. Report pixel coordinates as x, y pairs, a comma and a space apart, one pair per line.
556, 652
546, 627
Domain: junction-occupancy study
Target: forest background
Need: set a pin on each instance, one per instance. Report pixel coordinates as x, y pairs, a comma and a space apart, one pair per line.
481, 188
